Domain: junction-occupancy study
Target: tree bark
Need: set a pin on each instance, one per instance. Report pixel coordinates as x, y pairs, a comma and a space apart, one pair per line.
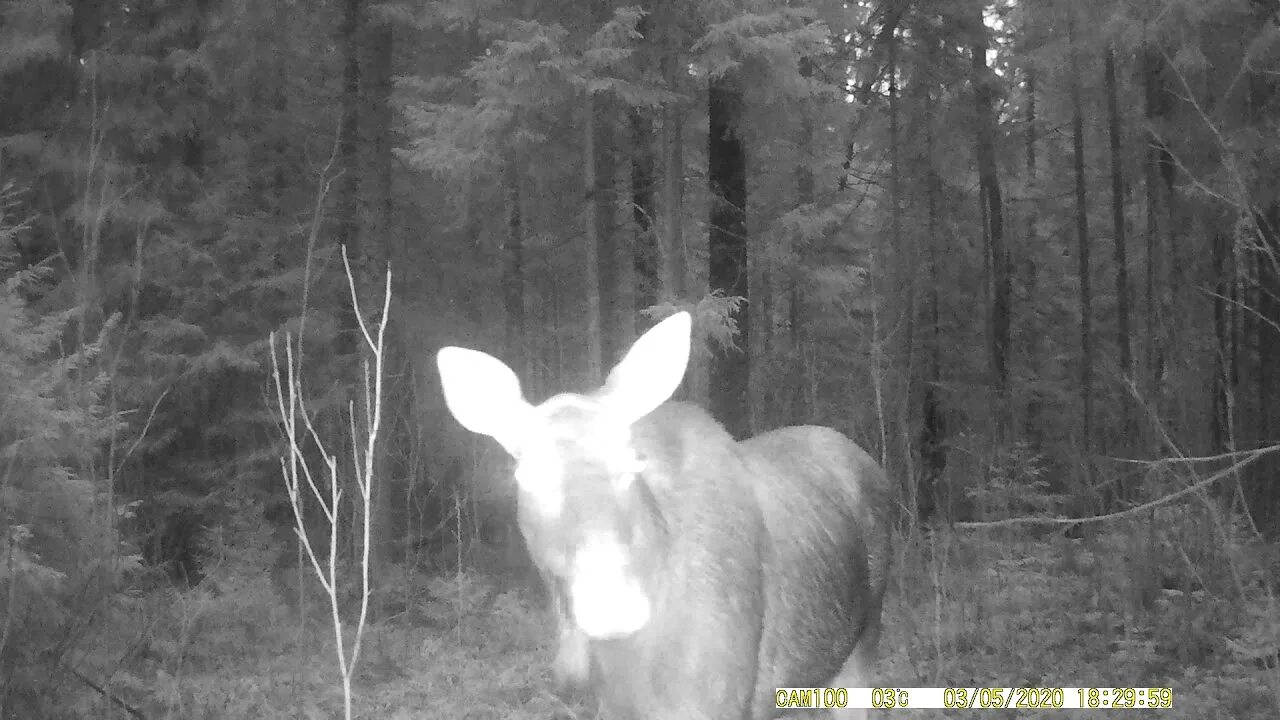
1221, 431
1262, 490
1163, 275
347, 185
614, 314
595, 359
645, 250
1150, 165
1120, 256
933, 431
989, 181
800, 411
1035, 342
513, 280
729, 368
1082, 236
674, 262
376, 226
903, 246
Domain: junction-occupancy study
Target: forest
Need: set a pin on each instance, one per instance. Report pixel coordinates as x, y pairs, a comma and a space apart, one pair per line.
1026, 253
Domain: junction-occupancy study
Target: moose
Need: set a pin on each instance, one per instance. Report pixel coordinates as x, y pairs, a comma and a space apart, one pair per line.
690, 574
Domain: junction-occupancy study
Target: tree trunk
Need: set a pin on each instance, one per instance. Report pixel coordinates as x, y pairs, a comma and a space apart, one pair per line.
933, 431
1150, 165
614, 314
473, 234
1121, 260
727, 160
674, 262
1262, 491
1174, 277
1035, 342
595, 359
346, 205
903, 250
798, 399
1163, 274
645, 251
762, 281
1221, 431
1123, 332
347, 185
513, 280
376, 225
674, 266
988, 178
1082, 236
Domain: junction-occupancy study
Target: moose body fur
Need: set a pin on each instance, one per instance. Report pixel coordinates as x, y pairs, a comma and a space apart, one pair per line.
692, 574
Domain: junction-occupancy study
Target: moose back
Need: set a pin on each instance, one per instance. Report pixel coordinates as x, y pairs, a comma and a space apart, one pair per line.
691, 574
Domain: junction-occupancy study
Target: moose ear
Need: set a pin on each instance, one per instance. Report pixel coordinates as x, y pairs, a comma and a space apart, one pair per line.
651, 370
483, 394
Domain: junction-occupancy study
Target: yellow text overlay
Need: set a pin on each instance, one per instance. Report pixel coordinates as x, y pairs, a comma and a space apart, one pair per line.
1024, 698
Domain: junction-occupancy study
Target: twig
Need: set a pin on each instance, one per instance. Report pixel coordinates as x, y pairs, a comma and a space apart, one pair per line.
1248, 457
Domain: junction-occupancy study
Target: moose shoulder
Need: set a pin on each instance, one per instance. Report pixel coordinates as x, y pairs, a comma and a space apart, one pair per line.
692, 574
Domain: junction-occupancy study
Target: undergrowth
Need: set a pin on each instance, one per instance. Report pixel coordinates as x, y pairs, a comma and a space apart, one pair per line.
1121, 606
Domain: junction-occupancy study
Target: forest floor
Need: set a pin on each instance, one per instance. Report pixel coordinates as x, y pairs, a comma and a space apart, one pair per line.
965, 608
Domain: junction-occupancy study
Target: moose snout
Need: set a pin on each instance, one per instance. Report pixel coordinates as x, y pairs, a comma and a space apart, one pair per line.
608, 599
